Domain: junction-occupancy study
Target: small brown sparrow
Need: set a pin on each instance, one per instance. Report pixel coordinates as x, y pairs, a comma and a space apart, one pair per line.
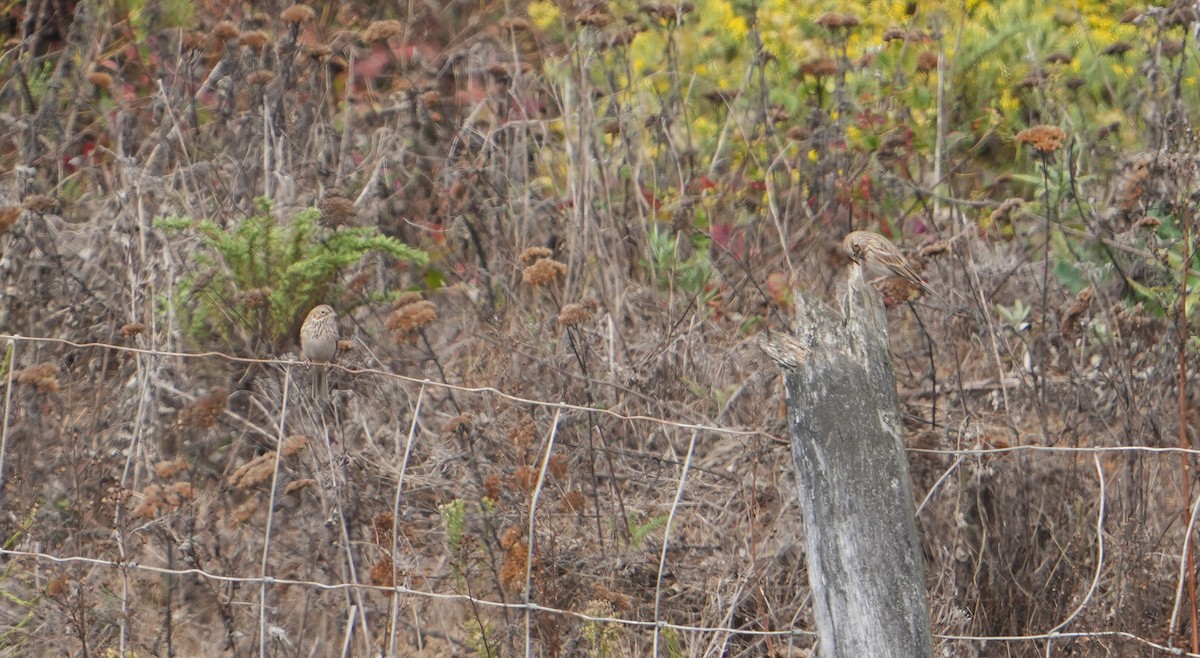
877, 252
318, 341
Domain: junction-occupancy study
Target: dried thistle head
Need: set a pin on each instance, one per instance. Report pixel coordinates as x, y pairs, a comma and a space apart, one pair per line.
573, 314
819, 68
382, 30
204, 412
337, 210
834, 21
317, 51
100, 80
410, 314
9, 216
1117, 49
43, 377
927, 61
533, 254
225, 31
1045, 139
543, 272
254, 39
296, 14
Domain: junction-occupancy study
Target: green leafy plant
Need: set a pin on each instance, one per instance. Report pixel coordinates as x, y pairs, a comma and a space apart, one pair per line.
689, 275
639, 531
258, 278
1015, 316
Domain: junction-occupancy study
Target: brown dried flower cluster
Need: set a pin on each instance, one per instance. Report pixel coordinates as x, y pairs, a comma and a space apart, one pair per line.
516, 558
533, 254
927, 61
246, 511
100, 80
410, 314
383, 573
298, 485
318, 51
9, 216
254, 39
204, 412
298, 13
522, 434
225, 31
294, 444
820, 67
382, 30
254, 472
1118, 49
168, 469
192, 39
544, 271
157, 499
43, 377
573, 501
1170, 48
337, 210
256, 297
835, 21
460, 424
573, 314
1046, 139
901, 34
592, 17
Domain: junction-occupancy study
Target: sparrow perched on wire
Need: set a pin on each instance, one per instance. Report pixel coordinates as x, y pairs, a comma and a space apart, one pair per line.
874, 251
318, 341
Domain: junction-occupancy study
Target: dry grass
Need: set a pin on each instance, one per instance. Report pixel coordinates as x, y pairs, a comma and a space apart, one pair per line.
553, 292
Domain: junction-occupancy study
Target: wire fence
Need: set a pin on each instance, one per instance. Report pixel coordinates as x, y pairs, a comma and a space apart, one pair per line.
518, 570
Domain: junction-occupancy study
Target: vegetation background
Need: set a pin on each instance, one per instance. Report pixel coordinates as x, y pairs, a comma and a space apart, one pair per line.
554, 232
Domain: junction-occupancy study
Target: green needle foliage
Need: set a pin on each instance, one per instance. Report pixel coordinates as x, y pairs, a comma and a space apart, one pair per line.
256, 280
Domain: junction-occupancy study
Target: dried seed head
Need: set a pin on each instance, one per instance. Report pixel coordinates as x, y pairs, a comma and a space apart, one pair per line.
100, 80
927, 61
204, 412
534, 254
543, 272
9, 216
43, 377
337, 210
1117, 49
225, 31
317, 50
573, 314
818, 68
298, 13
1046, 139
254, 39
382, 30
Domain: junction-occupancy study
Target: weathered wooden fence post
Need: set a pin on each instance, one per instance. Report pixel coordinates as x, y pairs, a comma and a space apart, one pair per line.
864, 560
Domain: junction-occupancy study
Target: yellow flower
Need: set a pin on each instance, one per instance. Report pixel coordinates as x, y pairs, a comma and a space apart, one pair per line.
1008, 102
543, 14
